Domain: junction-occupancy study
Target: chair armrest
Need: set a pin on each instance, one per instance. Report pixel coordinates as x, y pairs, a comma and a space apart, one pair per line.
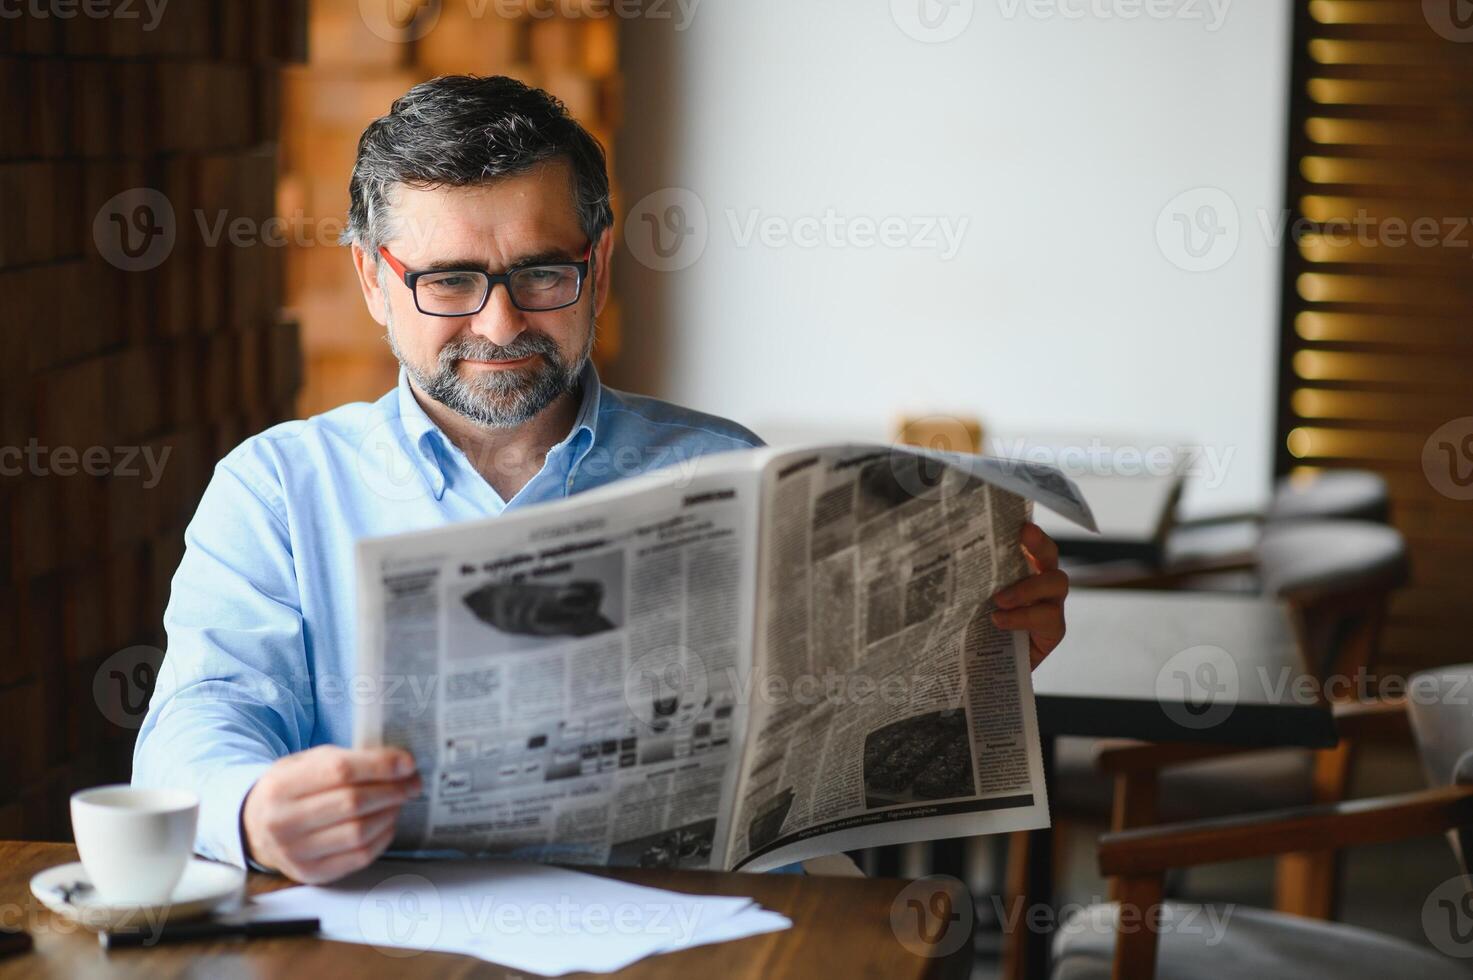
1373, 719
1133, 576
1354, 720
1242, 517
1154, 850
1120, 756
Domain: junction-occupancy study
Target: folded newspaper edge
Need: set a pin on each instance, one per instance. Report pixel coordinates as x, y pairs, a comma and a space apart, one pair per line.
737, 662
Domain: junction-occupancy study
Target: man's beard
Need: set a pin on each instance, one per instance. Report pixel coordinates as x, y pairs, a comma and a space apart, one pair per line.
505, 398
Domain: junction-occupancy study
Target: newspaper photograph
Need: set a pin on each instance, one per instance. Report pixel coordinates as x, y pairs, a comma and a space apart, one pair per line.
766, 657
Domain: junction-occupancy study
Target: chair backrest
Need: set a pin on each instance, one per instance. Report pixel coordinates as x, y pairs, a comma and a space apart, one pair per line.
1338, 577
1440, 706
1357, 495
948, 433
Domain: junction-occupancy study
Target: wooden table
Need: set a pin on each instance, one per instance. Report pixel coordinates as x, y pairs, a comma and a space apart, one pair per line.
841, 927
1126, 670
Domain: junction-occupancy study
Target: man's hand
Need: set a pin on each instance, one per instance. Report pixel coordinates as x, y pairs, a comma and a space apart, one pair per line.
323, 813
1036, 604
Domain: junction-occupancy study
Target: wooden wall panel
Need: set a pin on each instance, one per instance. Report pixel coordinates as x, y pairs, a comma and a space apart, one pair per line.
109, 357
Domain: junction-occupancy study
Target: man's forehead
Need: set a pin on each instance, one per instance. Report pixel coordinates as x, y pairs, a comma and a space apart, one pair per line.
529, 210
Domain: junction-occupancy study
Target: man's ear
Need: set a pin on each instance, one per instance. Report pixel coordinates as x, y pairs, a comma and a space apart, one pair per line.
367, 266
603, 253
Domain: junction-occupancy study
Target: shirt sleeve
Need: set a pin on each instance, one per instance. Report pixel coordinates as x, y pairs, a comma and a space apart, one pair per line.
233, 693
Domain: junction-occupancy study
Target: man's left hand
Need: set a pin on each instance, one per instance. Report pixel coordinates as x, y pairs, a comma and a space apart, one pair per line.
1036, 604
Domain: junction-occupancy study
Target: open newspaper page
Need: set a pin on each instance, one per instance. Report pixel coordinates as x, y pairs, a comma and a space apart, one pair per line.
573, 670
886, 706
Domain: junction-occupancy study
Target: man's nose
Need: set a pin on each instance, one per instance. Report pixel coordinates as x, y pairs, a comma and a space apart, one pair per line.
499, 321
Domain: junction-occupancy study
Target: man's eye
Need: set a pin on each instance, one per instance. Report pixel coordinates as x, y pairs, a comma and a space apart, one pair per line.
451, 283
541, 277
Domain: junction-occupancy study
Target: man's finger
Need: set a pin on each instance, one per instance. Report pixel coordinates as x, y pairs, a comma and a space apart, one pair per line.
309, 814
1045, 619
329, 765
333, 867
1044, 586
1041, 547
344, 836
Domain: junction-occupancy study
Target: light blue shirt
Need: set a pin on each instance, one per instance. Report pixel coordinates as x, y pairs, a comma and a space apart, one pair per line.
261, 616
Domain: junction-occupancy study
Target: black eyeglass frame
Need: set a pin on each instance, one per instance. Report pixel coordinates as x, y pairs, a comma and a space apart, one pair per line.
410, 278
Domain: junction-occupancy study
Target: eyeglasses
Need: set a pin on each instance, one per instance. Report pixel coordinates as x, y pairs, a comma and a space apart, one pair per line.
535, 288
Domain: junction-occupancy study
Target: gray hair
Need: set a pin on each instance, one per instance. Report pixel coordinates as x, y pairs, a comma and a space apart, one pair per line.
460, 130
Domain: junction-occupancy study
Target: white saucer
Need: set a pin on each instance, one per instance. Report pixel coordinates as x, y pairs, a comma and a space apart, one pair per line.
204, 886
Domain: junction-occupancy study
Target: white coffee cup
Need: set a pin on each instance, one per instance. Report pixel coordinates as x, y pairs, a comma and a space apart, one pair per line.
134, 842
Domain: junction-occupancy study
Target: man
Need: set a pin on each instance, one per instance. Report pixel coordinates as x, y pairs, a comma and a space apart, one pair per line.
480, 228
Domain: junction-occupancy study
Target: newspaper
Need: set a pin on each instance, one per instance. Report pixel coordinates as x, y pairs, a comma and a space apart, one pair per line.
763, 657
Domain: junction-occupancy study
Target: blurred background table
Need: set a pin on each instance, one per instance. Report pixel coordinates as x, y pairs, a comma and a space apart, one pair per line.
1121, 670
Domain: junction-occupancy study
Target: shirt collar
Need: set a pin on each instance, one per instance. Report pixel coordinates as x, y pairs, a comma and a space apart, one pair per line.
427, 445
591, 391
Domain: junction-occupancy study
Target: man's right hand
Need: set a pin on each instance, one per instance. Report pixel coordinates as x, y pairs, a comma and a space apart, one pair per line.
326, 812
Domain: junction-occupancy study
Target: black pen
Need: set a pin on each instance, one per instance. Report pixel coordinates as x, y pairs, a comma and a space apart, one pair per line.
207, 929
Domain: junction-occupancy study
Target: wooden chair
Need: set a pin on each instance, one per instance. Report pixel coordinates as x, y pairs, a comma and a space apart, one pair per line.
1306, 883
1139, 935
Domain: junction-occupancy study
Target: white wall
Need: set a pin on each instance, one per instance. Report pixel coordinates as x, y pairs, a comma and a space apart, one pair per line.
1057, 140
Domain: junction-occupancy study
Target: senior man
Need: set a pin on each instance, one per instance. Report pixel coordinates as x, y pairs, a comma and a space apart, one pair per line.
479, 223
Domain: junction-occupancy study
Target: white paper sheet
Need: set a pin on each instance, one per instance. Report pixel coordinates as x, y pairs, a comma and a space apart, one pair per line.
530, 917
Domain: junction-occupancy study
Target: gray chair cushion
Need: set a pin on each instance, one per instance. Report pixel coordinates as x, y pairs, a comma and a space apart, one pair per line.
1330, 556
1358, 495
1236, 943
1438, 706
1206, 542
1235, 784
1248, 783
